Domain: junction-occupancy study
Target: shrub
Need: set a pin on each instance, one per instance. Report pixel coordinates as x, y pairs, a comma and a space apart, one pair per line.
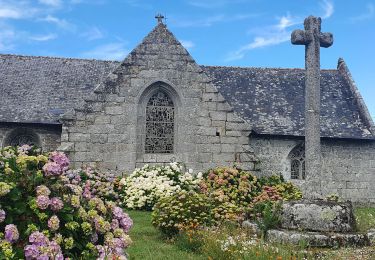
229, 185
46, 214
182, 211
145, 186
227, 194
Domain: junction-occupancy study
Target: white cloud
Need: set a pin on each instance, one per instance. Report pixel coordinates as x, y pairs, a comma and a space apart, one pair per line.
110, 51
370, 12
94, 33
16, 10
271, 35
6, 39
43, 38
62, 23
328, 8
53, 3
187, 44
10, 13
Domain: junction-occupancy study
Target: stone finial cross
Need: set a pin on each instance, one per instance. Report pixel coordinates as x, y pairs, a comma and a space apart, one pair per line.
313, 39
160, 18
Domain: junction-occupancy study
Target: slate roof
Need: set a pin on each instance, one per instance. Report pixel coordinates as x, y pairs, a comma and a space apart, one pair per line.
40, 89
272, 101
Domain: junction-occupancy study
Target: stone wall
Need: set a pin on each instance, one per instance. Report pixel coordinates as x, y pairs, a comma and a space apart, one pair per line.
48, 135
348, 166
107, 131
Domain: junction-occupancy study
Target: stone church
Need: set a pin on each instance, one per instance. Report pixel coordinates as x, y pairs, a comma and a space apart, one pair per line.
158, 105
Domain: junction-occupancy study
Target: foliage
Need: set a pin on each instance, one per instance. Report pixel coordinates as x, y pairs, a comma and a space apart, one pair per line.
265, 209
287, 190
145, 186
226, 194
229, 185
46, 214
365, 218
333, 197
181, 210
231, 242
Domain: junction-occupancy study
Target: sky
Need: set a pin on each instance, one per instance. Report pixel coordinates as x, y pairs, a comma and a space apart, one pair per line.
250, 33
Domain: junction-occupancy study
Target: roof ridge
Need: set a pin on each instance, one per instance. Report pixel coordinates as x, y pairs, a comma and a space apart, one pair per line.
54, 57
261, 68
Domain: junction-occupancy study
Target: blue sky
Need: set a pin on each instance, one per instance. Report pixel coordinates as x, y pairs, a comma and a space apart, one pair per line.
216, 32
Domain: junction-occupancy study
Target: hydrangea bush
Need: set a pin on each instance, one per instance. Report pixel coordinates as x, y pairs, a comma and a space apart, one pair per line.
47, 211
145, 186
225, 194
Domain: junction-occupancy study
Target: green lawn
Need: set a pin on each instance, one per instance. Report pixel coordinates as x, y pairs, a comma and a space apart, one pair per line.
365, 218
148, 243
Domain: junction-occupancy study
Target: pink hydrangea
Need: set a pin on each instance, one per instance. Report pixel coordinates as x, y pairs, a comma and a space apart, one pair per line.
42, 202
61, 159
52, 169
38, 238
2, 215
126, 223
41, 248
118, 213
56, 204
11, 233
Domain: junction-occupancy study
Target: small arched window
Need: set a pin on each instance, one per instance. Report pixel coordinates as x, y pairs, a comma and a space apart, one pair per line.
159, 123
21, 136
297, 162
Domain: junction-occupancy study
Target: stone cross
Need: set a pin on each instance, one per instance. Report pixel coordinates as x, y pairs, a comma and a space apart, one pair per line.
160, 18
313, 39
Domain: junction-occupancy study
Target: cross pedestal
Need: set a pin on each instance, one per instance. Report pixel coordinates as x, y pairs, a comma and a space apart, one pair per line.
313, 39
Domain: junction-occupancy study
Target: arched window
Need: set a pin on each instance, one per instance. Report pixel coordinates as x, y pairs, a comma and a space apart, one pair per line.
22, 136
159, 123
297, 162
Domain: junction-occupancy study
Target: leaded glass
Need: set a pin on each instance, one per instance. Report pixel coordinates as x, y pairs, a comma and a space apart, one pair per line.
22, 139
159, 124
297, 162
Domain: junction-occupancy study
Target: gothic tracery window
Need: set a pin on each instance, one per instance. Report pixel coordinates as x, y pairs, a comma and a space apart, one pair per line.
159, 124
297, 162
22, 136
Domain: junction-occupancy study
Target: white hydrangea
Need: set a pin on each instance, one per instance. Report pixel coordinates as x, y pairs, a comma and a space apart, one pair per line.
146, 185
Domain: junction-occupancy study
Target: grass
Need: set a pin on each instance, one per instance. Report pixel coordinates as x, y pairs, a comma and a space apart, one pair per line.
365, 218
149, 244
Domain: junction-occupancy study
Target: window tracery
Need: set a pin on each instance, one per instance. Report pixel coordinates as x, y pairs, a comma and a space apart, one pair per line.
297, 162
159, 124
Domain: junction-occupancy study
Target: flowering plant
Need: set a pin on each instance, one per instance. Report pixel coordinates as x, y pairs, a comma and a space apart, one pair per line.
145, 186
230, 185
46, 212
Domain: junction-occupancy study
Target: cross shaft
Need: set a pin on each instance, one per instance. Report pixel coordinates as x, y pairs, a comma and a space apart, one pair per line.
313, 39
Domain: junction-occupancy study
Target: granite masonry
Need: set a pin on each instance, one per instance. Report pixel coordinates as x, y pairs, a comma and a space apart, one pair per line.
158, 105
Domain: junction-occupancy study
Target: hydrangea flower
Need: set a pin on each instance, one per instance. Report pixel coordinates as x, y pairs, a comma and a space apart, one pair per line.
11, 233
2, 215
4, 188
42, 190
42, 202
56, 204
52, 169
60, 159
38, 238
54, 223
